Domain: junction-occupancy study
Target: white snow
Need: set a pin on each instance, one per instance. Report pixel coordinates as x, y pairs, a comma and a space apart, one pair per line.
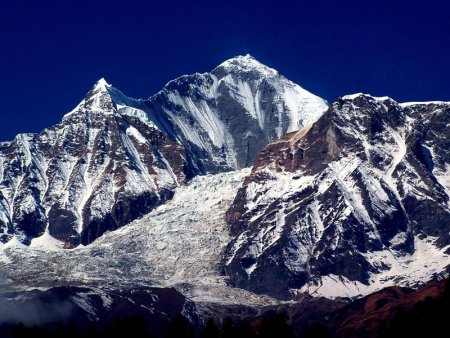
141, 175
397, 158
83, 301
2, 168
14, 243
25, 146
97, 102
352, 174
205, 116
408, 104
101, 84
138, 113
46, 242
354, 96
407, 271
305, 108
242, 93
300, 106
333, 286
245, 63
189, 232
132, 131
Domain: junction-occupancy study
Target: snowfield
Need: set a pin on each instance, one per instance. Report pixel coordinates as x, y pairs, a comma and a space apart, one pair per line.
179, 244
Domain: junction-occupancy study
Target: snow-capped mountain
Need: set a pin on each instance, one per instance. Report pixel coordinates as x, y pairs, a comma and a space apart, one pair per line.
95, 171
113, 158
335, 209
357, 201
224, 118
338, 203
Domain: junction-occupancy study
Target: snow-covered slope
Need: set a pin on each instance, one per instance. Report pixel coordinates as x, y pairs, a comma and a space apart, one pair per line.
355, 202
179, 245
114, 158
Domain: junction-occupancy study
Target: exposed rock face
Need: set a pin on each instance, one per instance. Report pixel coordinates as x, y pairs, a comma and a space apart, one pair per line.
113, 158
95, 171
362, 194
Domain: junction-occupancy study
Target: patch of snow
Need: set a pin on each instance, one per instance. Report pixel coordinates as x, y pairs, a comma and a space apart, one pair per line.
138, 113
333, 286
101, 84
14, 243
408, 104
407, 271
397, 158
131, 131
46, 242
354, 96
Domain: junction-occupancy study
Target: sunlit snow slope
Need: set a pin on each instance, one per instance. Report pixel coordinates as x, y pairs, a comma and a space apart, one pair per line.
114, 158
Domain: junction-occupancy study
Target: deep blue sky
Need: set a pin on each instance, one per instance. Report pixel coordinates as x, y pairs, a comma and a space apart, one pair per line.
51, 52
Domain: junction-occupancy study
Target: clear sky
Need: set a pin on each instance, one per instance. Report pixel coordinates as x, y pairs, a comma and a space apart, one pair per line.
51, 52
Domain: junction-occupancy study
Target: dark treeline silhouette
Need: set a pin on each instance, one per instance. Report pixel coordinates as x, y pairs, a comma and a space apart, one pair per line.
132, 327
271, 325
428, 318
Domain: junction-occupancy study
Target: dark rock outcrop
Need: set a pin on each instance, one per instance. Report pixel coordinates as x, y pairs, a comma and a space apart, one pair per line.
348, 196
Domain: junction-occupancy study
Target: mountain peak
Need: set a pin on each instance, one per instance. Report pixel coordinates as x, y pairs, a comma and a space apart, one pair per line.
101, 84
246, 63
98, 99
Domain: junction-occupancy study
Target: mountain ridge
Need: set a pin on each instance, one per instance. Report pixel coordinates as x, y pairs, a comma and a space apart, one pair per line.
338, 203
348, 201
114, 158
